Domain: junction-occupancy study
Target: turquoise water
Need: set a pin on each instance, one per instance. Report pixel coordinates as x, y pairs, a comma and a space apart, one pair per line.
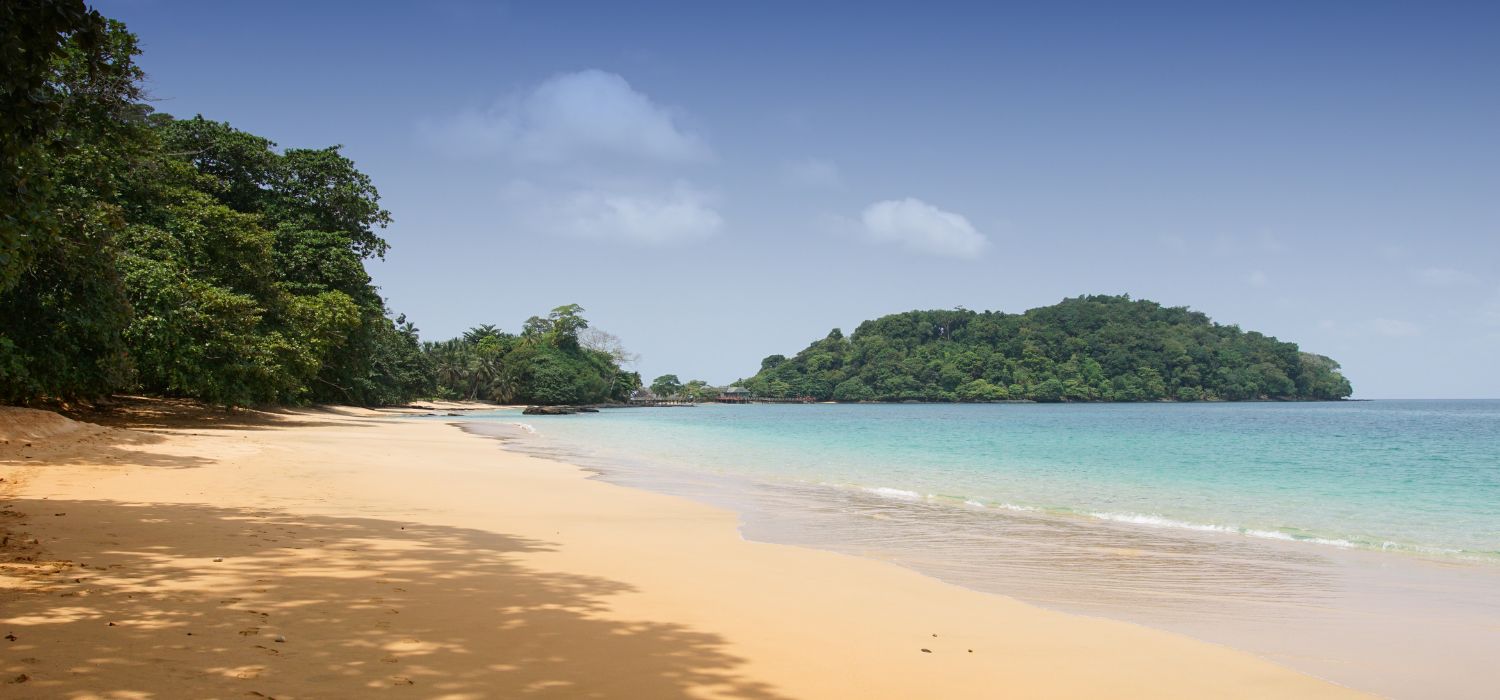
1408, 476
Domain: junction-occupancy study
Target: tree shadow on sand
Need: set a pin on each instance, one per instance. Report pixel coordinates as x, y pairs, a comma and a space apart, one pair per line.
154, 414
189, 601
99, 445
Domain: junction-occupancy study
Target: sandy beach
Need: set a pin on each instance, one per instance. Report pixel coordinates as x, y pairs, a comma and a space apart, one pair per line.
187, 553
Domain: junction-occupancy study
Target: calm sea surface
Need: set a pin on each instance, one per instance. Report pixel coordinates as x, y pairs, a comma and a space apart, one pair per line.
1359, 540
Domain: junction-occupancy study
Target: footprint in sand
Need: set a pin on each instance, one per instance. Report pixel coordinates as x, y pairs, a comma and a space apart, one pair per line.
401, 680
390, 659
250, 632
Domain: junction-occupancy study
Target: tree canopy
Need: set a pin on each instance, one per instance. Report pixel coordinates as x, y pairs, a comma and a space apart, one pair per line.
180, 257
545, 364
1090, 348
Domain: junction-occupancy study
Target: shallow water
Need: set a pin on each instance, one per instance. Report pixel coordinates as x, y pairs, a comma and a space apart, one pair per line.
1357, 541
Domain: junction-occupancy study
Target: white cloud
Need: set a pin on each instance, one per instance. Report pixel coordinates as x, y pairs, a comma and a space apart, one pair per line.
568, 117
1258, 279
813, 174
1395, 328
676, 214
921, 227
1446, 277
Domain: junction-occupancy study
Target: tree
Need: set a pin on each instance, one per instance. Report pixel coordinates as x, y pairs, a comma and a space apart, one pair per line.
35, 36
666, 385
70, 141
546, 364
566, 322
698, 390
607, 343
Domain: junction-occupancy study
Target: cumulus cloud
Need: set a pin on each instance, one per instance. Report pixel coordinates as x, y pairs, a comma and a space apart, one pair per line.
570, 117
1395, 328
813, 174
677, 214
921, 227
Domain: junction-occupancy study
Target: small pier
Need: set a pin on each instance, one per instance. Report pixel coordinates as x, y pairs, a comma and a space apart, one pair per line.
756, 399
649, 403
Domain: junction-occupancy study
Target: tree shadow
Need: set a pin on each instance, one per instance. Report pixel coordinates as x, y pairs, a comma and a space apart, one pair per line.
154, 414
99, 445
117, 432
188, 601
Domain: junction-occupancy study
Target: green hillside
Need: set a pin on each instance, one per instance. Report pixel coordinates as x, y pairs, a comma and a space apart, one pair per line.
1092, 348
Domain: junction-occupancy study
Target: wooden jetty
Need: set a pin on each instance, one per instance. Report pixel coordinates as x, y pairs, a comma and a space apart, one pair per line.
760, 399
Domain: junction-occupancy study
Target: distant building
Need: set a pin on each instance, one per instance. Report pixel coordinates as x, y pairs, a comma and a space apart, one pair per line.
734, 394
643, 395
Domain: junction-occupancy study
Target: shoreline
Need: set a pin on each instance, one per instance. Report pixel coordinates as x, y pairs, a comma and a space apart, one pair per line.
203, 542
1408, 551
1399, 623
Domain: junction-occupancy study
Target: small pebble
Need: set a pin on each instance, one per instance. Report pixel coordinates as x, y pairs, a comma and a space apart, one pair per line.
218, 558
926, 651
280, 638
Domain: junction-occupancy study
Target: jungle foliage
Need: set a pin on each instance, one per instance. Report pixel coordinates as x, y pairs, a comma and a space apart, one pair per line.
1090, 348
139, 252
553, 361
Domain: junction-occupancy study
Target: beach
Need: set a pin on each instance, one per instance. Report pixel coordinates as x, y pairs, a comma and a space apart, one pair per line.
1348, 540
343, 552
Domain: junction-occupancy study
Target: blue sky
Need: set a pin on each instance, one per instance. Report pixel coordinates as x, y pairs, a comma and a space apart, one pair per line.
718, 182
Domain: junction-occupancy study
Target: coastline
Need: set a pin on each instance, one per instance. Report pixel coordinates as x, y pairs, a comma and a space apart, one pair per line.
409, 556
1396, 623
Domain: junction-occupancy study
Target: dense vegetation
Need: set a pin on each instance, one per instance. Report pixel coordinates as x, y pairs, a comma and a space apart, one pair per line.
668, 386
1095, 348
184, 257
555, 360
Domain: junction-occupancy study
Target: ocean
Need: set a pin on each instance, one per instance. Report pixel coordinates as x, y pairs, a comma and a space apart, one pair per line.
1343, 538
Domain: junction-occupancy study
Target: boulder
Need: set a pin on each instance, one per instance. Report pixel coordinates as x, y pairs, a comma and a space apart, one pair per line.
550, 411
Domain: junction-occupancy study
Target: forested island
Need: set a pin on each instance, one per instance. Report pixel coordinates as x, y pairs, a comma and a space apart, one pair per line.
1090, 348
